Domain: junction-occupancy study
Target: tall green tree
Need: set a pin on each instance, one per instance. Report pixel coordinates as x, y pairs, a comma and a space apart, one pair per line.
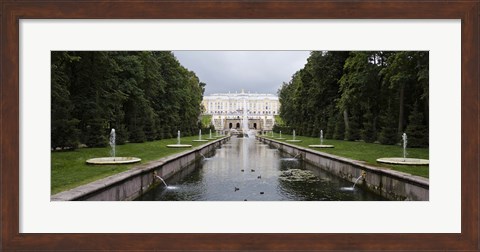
357, 95
369, 131
401, 76
359, 87
388, 133
307, 99
416, 130
94, 77
143, 95
64, 132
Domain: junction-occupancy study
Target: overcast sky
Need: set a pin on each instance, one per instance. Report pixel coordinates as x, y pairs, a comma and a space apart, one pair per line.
254, 71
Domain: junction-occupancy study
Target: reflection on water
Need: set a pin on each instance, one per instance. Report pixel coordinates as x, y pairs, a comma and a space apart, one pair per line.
245, 169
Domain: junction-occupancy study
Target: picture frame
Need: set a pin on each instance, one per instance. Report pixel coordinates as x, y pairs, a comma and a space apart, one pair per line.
13, 11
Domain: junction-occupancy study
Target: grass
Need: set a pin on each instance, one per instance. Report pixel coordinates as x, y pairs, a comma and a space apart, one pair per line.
69, 169
367, 152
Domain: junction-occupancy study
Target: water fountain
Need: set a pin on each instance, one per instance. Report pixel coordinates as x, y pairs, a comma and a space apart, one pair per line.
155, 176
200, 137
245, 127
293, 140
112, 143
161, 179
113, 159
321, 145
354, 184
179, 145
210, 137
294, 158
205, 158
280, 138
404, 160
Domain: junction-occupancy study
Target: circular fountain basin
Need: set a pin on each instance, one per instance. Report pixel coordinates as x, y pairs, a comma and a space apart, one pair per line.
210, 139
320, 146
403, 161
113, 160
293, 141
179, 145
200, 140
280, 138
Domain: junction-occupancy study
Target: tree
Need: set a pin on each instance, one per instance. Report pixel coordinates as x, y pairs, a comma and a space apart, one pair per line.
353, 95
93, 89
360, 89
64, 132
330, 125
339, 133
400, 75
143, 95
307, 99
368, 132
416, 130
388, 133
352, 133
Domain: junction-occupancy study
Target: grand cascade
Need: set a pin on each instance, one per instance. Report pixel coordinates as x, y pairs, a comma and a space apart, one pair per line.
234, 111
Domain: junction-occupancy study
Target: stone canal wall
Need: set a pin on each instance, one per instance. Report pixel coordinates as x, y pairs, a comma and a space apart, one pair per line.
391, 184
130, 184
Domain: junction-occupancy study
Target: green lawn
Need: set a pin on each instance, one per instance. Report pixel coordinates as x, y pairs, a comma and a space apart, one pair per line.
367, 152
69, 169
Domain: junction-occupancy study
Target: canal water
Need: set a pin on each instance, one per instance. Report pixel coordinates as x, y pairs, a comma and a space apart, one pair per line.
246, 169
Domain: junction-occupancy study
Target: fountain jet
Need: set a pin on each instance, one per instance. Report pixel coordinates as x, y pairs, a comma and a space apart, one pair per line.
200, 137
160, 178
293, 139
112, 143
404, 160
354, 184
179, 145
245, 119
321, 137
113, 159
321, 145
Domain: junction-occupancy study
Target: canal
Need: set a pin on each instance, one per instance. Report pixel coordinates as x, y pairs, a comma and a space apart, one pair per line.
244, 169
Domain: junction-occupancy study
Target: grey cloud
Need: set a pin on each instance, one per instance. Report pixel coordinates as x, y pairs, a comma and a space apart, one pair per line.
254, 71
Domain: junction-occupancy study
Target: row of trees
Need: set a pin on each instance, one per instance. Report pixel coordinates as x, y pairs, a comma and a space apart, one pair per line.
145, 96
370, 96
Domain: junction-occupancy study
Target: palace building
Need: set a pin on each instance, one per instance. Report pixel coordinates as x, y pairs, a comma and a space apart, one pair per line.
229, 109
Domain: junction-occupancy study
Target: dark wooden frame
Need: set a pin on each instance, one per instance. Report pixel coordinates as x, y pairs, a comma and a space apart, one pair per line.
12, 11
